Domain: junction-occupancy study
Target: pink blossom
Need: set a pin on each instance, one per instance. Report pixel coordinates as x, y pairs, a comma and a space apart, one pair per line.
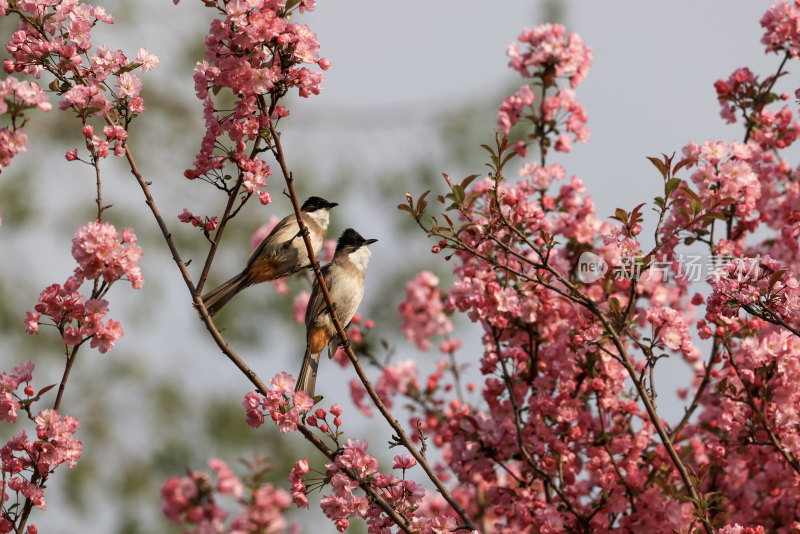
32, 322
512, 107
423, 311
129, 85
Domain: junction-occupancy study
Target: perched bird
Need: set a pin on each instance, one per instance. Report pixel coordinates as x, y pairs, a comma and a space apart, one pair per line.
282, 253
344, 276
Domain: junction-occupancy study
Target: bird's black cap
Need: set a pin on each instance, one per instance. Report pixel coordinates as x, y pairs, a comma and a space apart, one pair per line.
351, 238
317, 203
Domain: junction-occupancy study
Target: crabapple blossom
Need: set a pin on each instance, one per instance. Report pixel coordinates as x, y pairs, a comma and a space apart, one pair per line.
26, 465
192, 501
423, 312
255, 51
102, 255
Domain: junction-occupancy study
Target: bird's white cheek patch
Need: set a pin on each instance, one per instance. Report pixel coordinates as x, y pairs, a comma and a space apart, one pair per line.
361, 257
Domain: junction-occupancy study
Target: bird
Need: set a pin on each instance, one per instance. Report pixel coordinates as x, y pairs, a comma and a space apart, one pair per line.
344, 277
282, 253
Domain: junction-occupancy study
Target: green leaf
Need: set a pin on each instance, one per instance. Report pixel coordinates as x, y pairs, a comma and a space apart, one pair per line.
458, 194
697, 205
671, 186
621, 214
659, 201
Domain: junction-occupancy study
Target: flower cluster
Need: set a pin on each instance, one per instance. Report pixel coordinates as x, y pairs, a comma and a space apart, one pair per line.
282, 404
207, 224
56, 37
671, 331
422, 312
781, 23
774, 130
728, 176
193, 501
76, 318
253, 50
758, 285
574, 118
101, 255
9, 383
26, 464
354, 467
101, 252
16, 97
550, 55
736, 92
512, 107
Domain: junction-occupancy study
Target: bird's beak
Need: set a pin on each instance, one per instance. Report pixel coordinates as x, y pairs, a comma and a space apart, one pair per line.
332, 204
370, 241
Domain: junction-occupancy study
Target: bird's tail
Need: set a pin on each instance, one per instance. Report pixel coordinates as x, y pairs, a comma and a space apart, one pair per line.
215, 299
307, 377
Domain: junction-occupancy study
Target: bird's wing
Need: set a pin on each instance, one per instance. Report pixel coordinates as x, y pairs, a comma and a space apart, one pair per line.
316, 303
335, 341
275, 237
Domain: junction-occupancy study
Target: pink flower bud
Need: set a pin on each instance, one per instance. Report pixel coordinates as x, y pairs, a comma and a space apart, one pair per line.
29, 391
87, 130
337, 421
336, 410
324, 63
